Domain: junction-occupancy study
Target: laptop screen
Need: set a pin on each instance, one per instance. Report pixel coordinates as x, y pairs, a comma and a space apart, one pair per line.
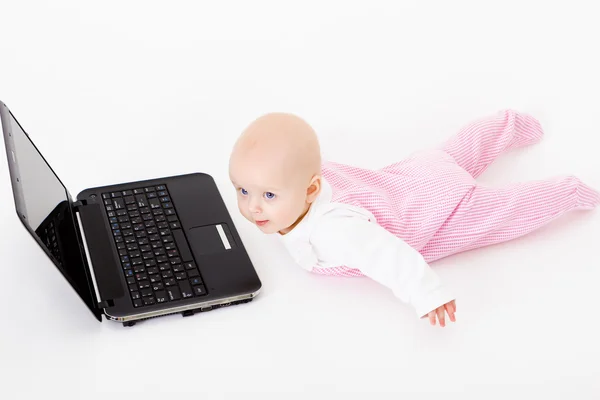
43, 205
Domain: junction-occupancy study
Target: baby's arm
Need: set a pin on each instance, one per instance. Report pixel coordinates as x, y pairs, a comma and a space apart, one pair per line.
355, 242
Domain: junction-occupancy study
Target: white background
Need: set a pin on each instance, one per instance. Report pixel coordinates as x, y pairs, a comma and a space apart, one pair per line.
122, 91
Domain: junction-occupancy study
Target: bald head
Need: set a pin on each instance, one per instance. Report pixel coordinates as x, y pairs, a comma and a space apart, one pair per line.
275, 166
286, 140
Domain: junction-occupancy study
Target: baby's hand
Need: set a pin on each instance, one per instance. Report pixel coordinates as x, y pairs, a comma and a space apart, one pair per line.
449, 308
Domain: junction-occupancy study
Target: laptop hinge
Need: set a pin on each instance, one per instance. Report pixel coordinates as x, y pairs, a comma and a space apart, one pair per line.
78, 204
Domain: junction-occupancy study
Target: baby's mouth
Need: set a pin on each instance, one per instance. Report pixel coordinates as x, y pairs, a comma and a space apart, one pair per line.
261, 223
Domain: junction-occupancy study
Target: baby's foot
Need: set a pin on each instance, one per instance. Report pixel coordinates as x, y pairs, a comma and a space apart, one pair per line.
527, 131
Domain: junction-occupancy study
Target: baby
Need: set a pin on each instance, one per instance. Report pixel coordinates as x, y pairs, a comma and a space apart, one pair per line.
388, 224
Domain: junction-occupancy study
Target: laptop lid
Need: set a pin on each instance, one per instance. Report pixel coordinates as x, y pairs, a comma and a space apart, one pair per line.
44, 206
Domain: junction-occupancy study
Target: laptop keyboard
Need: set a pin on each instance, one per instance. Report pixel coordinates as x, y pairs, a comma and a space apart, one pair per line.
155, 257
49, 238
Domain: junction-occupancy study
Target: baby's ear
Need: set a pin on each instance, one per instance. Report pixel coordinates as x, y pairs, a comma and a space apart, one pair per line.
313, 189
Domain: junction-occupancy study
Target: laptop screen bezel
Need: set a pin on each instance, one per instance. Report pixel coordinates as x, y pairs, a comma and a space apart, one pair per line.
86, 293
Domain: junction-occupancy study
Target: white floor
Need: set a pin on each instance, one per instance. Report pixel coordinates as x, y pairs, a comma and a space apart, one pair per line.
121, 91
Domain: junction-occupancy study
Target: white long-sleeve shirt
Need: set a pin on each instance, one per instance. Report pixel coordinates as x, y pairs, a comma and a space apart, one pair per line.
334, 234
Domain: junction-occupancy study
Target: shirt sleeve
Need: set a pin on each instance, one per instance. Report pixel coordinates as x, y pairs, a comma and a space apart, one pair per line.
355, 242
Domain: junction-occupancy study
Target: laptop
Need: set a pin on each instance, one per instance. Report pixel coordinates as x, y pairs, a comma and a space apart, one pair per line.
136, 250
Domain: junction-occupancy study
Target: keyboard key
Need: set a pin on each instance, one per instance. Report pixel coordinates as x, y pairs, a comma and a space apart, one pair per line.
134, 253
149, 189
186, 289
147, 256
164, 266
180, 275
199, 290
115, 194
170, 212
141, 200
105, 196
119, 204
172, 218
107, 202
169, 282
175, 260
149, 224
159, 218
121, 213
163, 225
145, 248
178, 268
152, 271
172, 253
135, 295
173, 292
175, 225
150, 263
138, 303
164, 199
133, 287
148, 301
161, 296
136, 261
154, 203
162, 259
159, 252
129, 200
193, 272
167, 274
126, 192
138, 191
128, 273
161, 187
151, 195
141, 276
131, 280
113, 220
196, 281
138, 269
158, 286
123, 218
144, 284
189, 265
167, 205
170, 246
155, 279
146, 292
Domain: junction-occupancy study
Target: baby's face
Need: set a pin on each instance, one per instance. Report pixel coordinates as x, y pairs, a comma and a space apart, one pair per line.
268, 195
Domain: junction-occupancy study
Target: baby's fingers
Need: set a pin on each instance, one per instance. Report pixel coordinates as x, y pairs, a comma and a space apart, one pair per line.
451, 310
431, 317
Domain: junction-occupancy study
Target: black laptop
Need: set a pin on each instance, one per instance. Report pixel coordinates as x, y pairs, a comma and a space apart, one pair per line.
135, 250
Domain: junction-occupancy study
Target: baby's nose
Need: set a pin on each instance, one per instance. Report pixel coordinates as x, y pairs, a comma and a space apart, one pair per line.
254, 207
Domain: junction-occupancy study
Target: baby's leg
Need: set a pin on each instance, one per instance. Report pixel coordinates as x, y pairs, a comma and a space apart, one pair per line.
477, 145
492, 215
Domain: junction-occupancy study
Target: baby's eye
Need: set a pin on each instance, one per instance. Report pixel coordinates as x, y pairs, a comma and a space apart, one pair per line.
243, 191
269, 195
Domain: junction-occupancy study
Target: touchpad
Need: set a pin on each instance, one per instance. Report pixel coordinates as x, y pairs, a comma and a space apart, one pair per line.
210, 239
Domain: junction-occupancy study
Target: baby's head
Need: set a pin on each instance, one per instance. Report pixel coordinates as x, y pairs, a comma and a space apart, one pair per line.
275, 167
